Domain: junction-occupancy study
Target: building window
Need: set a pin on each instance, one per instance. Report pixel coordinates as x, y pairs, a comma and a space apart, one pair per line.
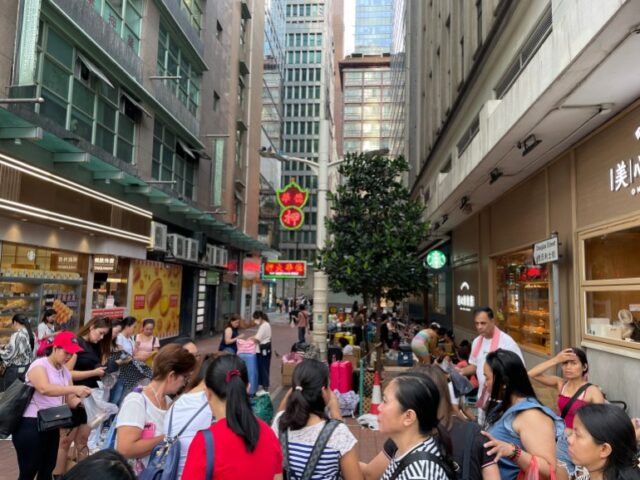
217, 172
172, 160
193, 9
216, 101
239, 145
610, 285
522, 300
173, 62
86, 102
125, 16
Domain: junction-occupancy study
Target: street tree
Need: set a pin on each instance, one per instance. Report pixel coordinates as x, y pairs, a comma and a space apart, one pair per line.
374, 232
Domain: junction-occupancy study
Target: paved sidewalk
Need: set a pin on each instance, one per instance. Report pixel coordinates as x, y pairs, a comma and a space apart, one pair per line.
283, 337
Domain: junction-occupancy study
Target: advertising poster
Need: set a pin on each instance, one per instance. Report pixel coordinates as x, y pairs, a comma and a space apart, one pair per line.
155, 293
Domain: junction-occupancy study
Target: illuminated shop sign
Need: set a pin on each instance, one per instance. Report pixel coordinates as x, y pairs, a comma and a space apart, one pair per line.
626, 173
436, 259
465, 300
292, 198
274, 269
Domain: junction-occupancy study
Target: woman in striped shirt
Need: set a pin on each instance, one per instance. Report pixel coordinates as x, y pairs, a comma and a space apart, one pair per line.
304, 419
409, 415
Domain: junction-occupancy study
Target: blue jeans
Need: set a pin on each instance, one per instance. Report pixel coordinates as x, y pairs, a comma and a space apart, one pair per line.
301, 332
117, 393
251, 361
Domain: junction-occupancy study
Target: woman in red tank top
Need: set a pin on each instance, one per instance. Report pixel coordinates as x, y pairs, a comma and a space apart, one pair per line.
574, 366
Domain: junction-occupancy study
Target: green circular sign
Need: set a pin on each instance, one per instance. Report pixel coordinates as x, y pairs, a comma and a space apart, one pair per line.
436, 259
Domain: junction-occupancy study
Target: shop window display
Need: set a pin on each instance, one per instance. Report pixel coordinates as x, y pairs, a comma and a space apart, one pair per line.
611, 286
33, 279
522, 300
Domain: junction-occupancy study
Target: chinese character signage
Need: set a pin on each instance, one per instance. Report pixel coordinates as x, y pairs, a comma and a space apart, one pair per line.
65, 262
105, 263
546, 251
284, 269
292, 198
625, 173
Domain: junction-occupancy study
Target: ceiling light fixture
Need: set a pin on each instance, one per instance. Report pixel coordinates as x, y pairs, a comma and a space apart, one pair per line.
494, 175
528, 144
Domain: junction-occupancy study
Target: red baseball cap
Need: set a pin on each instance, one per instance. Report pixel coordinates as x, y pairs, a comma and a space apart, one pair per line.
67, 341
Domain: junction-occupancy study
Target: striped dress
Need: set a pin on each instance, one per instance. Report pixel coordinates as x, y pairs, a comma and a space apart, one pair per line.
420, 469
301, 443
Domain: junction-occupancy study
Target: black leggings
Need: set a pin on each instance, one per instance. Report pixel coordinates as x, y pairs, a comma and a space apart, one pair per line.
37, 451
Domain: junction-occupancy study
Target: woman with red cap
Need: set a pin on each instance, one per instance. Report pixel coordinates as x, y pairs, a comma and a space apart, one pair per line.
53, 387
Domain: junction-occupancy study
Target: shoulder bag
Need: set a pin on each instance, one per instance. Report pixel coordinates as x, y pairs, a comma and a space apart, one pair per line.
55, 417
13, 403
572, 400
316, 452
429, 457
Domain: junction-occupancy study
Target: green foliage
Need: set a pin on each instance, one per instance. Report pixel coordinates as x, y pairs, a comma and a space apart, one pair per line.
375, 231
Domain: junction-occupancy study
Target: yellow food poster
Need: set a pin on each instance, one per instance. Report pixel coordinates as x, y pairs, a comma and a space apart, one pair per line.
155, 293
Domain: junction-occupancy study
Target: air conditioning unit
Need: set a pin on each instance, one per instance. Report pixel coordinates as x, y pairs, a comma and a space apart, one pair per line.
177, 246
158, 237
192, 250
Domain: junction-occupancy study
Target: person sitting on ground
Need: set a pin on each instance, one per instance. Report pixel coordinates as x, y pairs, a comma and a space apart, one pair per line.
300, 425
573, 388
603, 441
111, 465
244, 446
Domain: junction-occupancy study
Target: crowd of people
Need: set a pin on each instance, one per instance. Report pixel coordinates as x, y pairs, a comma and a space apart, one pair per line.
174, 393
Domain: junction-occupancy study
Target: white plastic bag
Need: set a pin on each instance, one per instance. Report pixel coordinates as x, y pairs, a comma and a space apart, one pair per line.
97, 409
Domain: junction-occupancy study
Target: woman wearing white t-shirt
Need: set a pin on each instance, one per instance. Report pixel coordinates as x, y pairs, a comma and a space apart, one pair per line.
263, 347
141, 418
46, 328
190, 413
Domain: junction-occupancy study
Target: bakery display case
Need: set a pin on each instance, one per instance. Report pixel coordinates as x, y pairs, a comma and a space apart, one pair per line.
522, 300
33, 279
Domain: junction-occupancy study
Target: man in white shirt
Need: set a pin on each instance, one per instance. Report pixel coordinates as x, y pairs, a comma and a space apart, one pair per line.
490, 338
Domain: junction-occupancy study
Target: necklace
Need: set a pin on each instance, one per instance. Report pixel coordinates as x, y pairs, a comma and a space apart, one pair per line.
155, 394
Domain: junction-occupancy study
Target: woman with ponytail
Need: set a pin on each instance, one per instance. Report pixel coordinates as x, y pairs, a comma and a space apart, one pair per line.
244, 446
18, 353
303, 420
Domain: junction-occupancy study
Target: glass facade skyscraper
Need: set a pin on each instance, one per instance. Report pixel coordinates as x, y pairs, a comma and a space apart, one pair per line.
308, 96
374, 24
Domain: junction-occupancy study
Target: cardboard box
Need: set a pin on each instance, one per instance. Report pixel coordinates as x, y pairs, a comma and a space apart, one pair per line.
287, 372
355, 358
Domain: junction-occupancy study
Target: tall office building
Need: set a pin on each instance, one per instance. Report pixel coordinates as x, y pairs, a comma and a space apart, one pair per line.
398, 66
373, 29
308, 98
272, 125
367, 96
144, 149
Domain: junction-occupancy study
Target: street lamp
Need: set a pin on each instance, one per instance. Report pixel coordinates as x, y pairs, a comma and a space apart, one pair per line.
320, 278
